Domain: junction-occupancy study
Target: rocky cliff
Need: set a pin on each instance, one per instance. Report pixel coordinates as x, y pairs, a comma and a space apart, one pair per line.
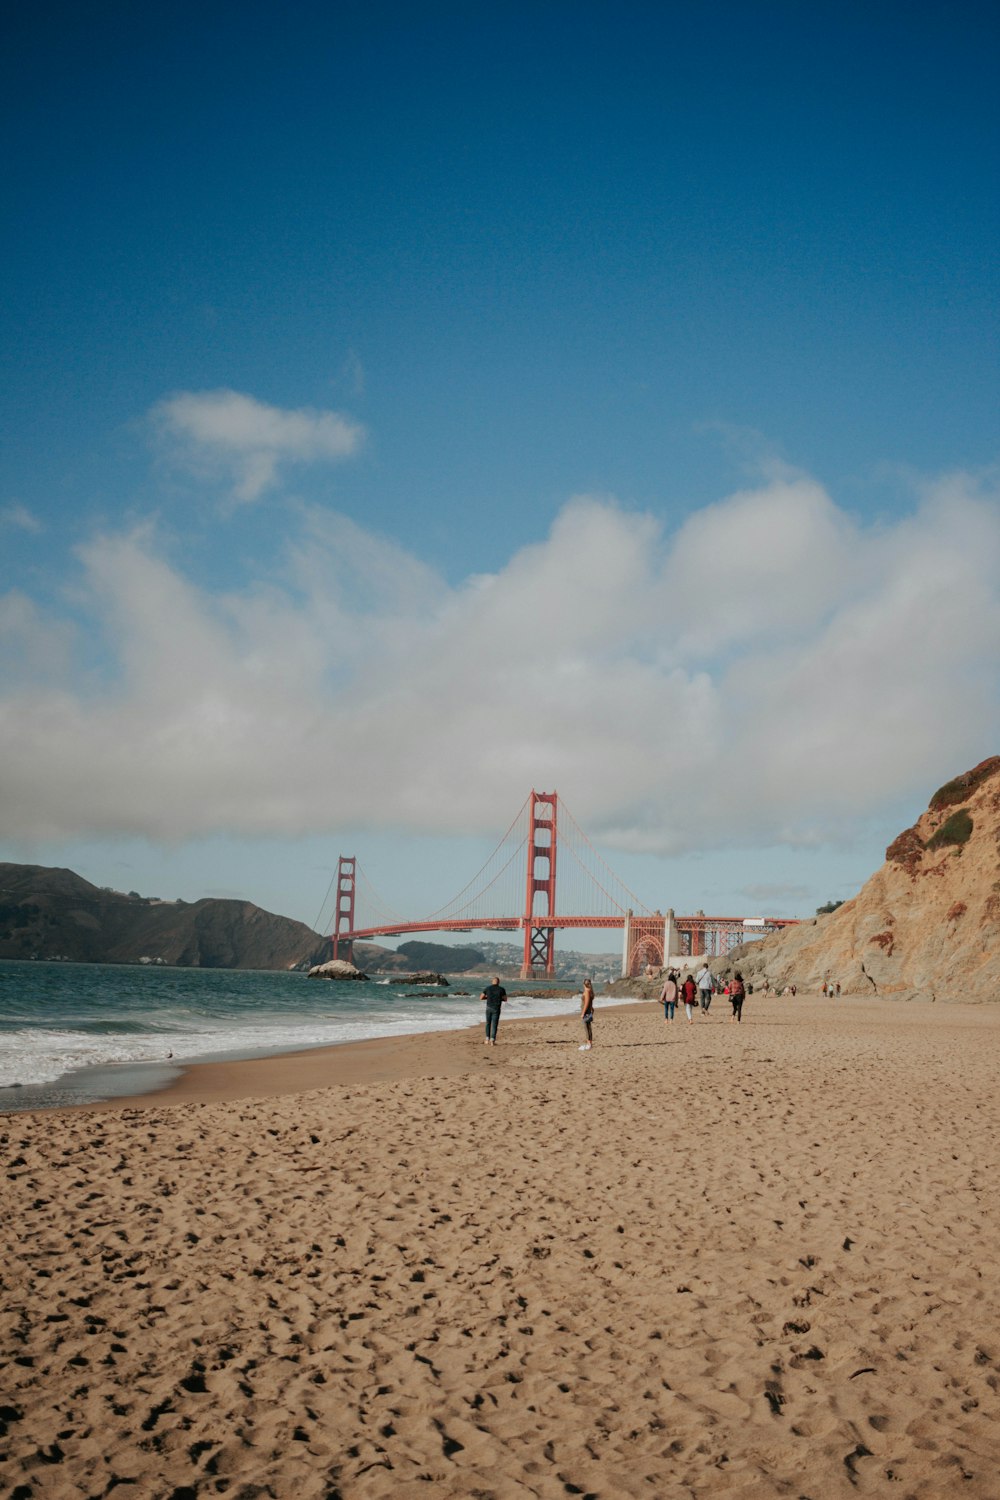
927, 924
53, 913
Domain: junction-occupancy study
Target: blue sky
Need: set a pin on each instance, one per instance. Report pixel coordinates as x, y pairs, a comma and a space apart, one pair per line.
405, 406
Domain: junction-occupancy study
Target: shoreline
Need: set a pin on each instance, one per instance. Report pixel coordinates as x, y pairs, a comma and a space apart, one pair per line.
420, 1054
125, 1049
273, 1075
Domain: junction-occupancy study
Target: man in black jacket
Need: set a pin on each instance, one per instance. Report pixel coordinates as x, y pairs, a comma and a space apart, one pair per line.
494, 994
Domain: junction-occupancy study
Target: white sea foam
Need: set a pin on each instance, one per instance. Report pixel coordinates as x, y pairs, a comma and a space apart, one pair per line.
33, 1055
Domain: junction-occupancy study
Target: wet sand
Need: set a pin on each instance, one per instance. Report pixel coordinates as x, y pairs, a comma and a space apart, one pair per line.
379, 1060
700, 1260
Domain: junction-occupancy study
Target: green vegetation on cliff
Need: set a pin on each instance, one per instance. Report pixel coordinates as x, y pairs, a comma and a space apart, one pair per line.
954, 830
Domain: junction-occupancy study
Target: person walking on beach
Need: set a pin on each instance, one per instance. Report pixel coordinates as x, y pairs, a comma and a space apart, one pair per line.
587, 1014
737, 994
494, 994
668, 995
689, 994
705, 985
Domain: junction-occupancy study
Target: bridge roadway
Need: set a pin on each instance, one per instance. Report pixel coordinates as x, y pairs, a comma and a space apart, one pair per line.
519, 924
647, 939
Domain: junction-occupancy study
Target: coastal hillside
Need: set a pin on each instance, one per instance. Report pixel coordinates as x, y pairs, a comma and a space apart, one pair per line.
48, 913
926, 925
54, 913
441, 957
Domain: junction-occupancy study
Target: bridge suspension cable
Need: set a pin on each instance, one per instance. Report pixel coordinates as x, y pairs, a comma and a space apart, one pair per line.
372, 902
498, 876
375, 910
574, 841
516, 890
586, 883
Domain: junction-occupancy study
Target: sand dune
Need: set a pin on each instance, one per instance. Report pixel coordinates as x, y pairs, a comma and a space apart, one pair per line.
699, 1261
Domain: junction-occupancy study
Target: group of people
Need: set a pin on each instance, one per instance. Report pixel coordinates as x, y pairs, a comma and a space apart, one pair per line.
695, 993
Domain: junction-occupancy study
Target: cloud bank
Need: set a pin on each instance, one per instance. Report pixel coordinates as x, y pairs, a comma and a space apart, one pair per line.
771, 671
228, 435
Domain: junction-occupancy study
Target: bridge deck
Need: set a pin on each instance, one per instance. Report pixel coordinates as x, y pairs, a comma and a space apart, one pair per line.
518, 924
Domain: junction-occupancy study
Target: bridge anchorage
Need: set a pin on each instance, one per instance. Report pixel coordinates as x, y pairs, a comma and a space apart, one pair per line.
515, 891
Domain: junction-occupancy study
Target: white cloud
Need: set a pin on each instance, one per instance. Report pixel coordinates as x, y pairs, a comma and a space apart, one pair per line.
19, 518
226, 434
760, 566
772, 672
33, 649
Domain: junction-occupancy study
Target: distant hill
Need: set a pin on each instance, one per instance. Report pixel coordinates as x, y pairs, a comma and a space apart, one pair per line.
54, 913
48, 913
441, 957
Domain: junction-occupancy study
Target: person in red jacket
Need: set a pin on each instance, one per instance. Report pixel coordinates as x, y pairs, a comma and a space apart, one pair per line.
689, 994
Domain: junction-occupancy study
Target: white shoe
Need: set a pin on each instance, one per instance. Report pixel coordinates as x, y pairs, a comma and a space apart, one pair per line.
585, 1047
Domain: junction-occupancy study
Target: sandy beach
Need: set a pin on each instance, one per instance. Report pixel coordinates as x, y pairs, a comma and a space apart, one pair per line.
701, 1260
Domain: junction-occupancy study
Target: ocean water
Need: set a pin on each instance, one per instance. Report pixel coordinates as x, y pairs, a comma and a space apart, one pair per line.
72, 1033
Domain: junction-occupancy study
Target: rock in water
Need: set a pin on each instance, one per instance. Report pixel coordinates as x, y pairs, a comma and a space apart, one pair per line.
424, 978
335, 968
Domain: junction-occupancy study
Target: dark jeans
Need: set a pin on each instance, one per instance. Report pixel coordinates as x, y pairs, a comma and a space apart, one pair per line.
492, 1022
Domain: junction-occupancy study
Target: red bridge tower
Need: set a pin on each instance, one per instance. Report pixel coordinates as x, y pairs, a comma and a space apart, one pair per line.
344, 911
540, 939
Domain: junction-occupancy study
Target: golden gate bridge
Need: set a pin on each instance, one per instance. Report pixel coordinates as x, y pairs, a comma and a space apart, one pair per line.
515, 891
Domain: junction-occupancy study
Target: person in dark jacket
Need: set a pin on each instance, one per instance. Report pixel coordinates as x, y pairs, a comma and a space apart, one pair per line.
494, 994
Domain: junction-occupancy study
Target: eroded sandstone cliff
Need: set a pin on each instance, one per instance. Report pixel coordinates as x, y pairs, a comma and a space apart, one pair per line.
926, 924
